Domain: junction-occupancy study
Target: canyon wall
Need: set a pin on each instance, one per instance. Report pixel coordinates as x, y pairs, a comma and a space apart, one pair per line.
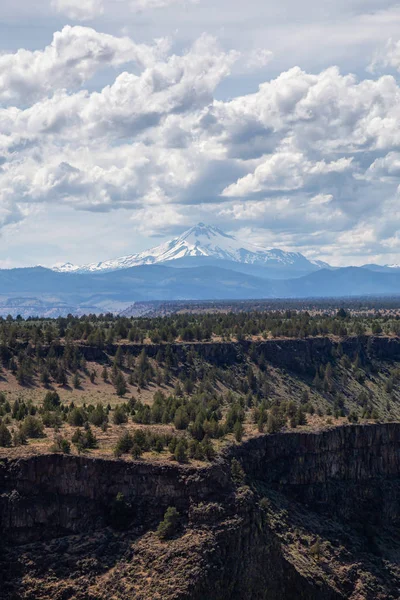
350, 471
298, 355
341, 484
50, 495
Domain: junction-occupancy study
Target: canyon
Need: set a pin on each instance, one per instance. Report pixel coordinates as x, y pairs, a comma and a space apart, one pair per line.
306, 515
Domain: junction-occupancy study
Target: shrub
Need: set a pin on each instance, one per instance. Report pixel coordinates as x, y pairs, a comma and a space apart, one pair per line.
5, 436
353, 417
77, 417
84, 440
52, 419
237, 472
124, 444
275, 423
76, 381
301, 417
91, 440
180, 452
119, 415
169, 525
238, 431
141, 439
136, 451
207, 449
61, 445
98, 416
51, 401
32, 427
19, 439
120, 384
181, 420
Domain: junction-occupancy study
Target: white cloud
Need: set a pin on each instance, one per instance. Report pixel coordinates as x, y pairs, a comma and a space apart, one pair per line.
105, 150
285, 171
306, 158
79, 10
321, 199
86, 10
389, 56
73, 57
257, 58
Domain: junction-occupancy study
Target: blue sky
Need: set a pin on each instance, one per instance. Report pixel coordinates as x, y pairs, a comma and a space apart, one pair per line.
122, 122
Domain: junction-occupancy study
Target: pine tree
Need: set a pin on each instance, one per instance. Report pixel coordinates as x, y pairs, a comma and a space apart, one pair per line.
238, 431
237, 472
180, 452
76, 381
168, 527
61, 375
120, 384
5, 436
119, 357
104, 375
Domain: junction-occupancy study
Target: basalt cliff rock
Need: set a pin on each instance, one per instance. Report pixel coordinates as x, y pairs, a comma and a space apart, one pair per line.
315, 516
301, 356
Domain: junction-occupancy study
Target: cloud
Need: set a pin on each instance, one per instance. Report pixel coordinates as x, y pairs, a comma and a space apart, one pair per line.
106, 150
285, 171
72, 58
86, 10
389, 56
79, 10
255, 59
303, 160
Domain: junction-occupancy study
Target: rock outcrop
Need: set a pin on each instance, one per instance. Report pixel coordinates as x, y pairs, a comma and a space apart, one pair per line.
297, 355
315, 517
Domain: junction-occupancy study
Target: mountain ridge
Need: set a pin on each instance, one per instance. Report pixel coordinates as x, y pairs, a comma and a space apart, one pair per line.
40, 291
203, 241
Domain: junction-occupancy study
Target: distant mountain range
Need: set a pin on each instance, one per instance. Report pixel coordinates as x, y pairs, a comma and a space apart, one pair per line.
205, 245
43, 292
202, 264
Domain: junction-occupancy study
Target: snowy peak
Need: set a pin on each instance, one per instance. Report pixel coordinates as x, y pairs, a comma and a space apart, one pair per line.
201, 232
202, 241
66, 268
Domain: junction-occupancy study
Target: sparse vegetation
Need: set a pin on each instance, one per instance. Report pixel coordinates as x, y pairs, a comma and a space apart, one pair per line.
159, 386
169, 525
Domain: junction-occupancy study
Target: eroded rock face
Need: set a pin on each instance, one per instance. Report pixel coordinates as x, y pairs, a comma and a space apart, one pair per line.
340, 486
298, 355
346, 471
349, 471
50, 495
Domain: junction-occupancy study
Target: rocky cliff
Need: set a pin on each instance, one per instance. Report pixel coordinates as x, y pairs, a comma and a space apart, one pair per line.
316, 515
352, 472
298, 355
51, 495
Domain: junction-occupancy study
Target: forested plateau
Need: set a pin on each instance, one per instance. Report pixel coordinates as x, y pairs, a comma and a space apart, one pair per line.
201, 455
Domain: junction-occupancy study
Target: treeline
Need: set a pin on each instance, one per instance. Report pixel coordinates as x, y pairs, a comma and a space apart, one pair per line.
102, 330
202, 398
55, 355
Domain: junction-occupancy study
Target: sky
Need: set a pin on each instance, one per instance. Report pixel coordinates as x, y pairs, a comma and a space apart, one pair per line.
124, 122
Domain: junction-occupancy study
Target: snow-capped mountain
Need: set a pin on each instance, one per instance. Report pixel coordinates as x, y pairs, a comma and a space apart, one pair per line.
202, 241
